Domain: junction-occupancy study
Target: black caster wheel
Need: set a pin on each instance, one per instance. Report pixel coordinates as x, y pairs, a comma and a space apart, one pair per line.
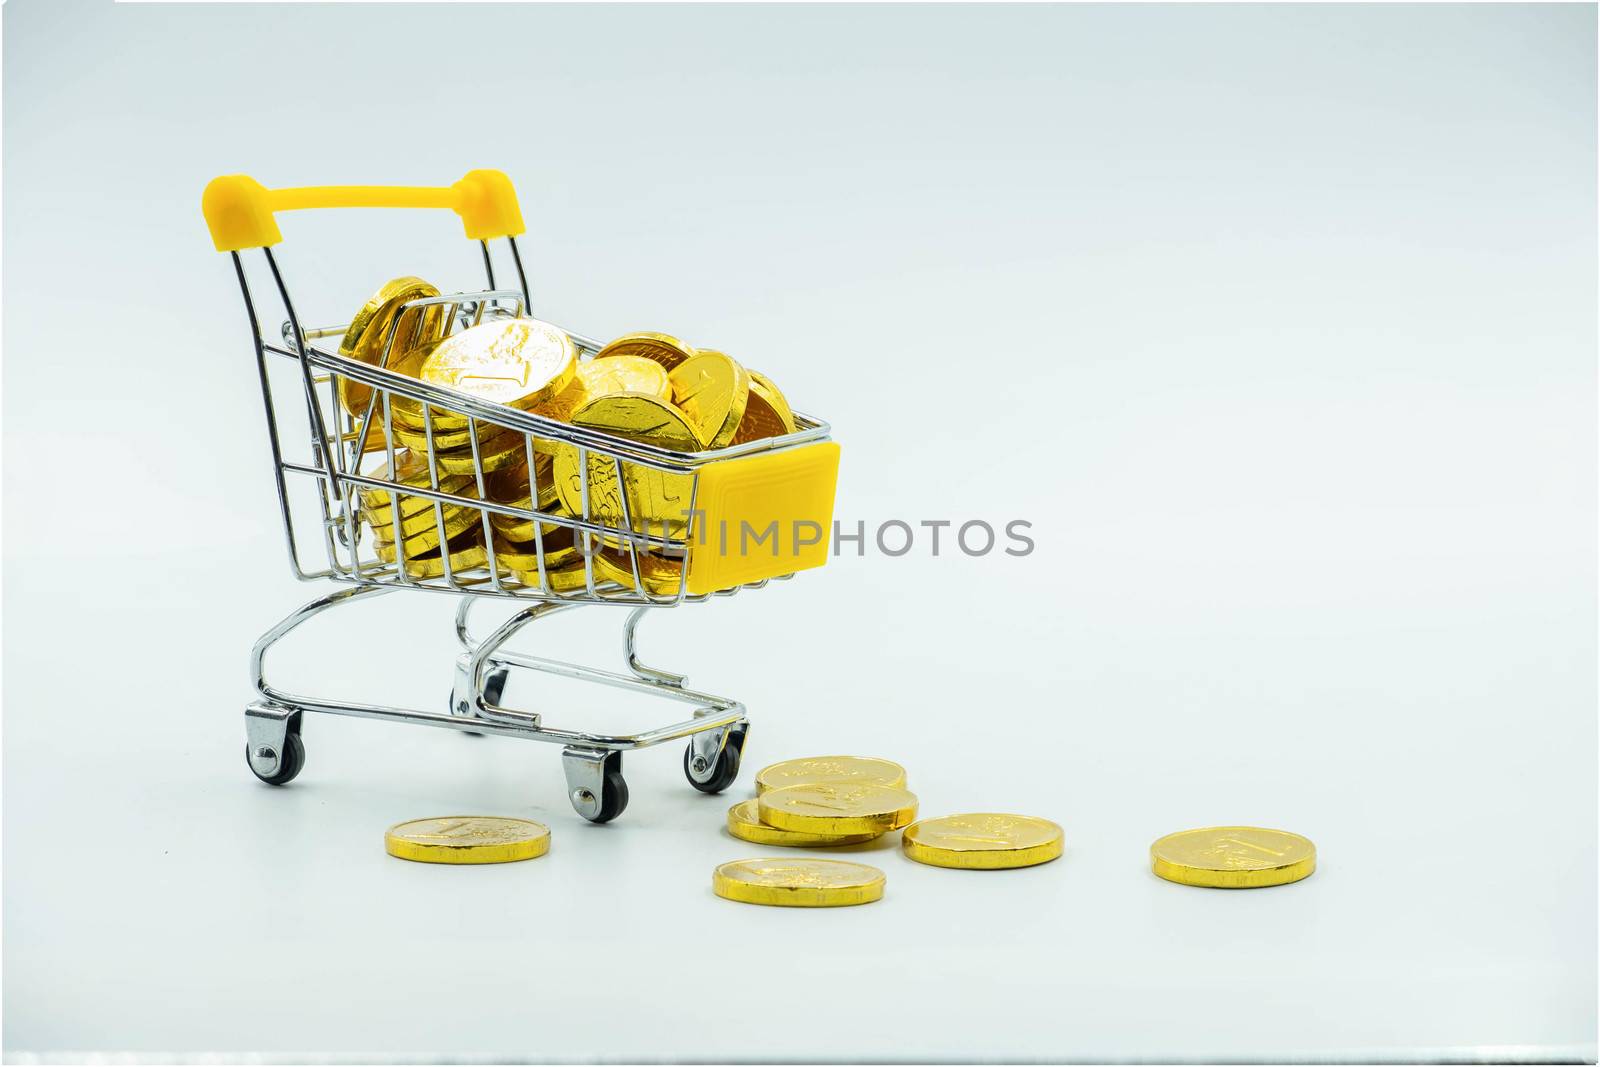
290, 762
720, 775
614, 791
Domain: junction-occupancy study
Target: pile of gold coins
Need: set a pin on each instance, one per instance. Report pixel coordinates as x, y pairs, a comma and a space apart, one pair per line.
648, 388
845, 801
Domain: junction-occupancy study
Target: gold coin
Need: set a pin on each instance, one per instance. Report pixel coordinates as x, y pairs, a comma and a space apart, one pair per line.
983, 842
661, 576
658, 347
614, 374
838, 808
744, 822
368, 333
815, 769
421, 532
767, 414
504, 450
712, 391
509, 486
658, 502
517, 362
1233, 857
450, 440
798, 883
568, 579
465, 555
467, 839
559, 551
423, 521
413, 470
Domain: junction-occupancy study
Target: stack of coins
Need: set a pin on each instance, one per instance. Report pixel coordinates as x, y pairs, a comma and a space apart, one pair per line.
649, 388
824, 801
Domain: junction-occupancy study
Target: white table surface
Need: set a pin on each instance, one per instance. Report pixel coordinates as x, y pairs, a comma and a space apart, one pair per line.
1277, 324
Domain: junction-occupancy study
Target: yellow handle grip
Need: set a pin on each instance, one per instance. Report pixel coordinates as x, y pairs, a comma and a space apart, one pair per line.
239, 210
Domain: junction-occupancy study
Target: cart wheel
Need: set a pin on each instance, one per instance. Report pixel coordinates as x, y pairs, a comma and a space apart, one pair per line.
719, 775
289, 763
613, 797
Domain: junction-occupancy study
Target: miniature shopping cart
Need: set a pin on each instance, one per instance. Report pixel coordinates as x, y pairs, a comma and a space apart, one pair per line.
786, 483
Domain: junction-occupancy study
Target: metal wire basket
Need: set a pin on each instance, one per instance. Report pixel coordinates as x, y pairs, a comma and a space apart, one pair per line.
781, 488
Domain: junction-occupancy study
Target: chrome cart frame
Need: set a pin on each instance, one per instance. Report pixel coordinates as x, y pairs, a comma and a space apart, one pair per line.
340, 442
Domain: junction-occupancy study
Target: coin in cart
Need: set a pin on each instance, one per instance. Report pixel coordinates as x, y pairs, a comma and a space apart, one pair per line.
467, 839
814, 770
798, 883
1233, 857
982, 842
843, 808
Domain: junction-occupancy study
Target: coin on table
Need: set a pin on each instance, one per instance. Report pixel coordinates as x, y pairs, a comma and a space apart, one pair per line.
838, 808
767, 414
712, 391
368, 334
1233, 857
982, 842
815, 769
658, 501
521, 363
659, 347
661, 575
744, 822
467, 839
798, 883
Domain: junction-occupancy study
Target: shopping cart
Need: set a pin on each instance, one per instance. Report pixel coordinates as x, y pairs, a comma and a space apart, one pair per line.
781, 488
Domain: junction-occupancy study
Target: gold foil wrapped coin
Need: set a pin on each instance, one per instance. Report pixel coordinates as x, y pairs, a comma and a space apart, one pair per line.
419, 540
568, 579
368, 334
712, 391
767, 414
658, 347
744, 822
467, 839
982, 842
661, 576
798, 883
614, 374
413, 470
813, 770
521, 363
559, 552
509, 486
845, 808
466, 554
504, 450
658, 501
1233, 857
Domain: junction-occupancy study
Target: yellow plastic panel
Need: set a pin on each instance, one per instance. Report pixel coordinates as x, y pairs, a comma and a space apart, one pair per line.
239, 210
762, 516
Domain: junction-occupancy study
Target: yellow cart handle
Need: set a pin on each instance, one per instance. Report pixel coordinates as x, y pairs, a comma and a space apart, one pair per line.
239, 210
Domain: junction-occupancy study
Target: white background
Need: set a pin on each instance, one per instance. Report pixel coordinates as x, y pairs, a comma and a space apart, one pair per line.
1277, 323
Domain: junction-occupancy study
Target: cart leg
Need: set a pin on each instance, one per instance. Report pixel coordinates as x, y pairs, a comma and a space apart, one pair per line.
630, 648
594, 782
